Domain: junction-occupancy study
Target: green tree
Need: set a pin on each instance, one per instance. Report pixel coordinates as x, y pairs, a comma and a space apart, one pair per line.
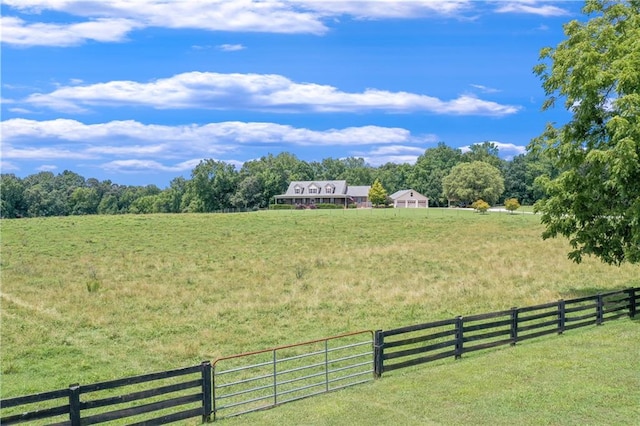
430, 169
486, 151
108, 204
144, 204
211, 186
520, 176
170, 199
274, 174
357, 172
11, 196
42, 197
377, 194
248, 194
469, 182
84, 201
595, 201
394, 177
329, 169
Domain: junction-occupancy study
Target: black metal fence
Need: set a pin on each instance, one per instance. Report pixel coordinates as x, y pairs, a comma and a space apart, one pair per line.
185, 393
417, 344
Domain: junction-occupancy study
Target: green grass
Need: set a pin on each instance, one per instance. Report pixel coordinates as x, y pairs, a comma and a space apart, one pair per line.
87, 299
586, 377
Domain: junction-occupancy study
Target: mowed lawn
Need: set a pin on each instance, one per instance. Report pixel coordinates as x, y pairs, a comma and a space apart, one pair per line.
589, 376
88, 299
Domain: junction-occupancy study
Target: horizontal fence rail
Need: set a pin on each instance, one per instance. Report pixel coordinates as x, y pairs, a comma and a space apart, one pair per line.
156, 398
417, 344
253, 381
258, 380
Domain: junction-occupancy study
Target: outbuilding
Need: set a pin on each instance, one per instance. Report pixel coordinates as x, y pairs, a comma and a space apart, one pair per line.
408, 198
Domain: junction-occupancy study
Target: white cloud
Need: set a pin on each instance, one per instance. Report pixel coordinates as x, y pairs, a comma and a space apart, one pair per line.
47, 168
6, 166
140, 166
377, 161
506, 150
110, 21
231, 47
129, 144
376, 9
395, 153
20, 111
261, 92
485, 89
127, 15
48, 153
533, 7
509, 150
397, 150
133, 147
17, 32
234, 131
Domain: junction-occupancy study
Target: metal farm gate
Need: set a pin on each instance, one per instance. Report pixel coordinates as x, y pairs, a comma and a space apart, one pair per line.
263, 379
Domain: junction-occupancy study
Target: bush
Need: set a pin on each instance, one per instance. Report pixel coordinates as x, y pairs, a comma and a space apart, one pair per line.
512, 205
480, 206
281, 206
328, 206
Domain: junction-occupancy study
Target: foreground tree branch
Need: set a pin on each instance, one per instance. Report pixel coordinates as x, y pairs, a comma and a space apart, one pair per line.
595, 201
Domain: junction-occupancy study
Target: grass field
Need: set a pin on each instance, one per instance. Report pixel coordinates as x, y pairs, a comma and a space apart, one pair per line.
86, 299
586, 377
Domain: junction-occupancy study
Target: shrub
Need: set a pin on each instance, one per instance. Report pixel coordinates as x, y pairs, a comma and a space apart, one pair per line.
480, 206
281, 206
328, 206
512, 205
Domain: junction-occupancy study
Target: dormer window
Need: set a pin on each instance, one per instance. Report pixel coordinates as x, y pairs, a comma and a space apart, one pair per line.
298, 189
313, 189
329, 189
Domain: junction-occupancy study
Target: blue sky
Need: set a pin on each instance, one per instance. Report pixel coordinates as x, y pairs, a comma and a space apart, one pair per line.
139, 91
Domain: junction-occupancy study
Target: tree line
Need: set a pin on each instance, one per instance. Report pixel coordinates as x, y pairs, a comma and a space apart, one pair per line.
216, 185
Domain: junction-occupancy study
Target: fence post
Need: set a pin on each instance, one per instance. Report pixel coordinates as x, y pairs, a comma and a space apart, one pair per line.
275, 377
599, 310
459, 337
632, 302
378, 351
213, 391
561, 316
74, 404
514, 326
207, 394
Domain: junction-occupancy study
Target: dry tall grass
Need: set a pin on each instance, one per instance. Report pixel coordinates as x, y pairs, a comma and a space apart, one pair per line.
95, 298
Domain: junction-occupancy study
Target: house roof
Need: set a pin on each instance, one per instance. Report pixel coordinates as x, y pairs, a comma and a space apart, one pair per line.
339, 186
358, 191
340, 189
407, 193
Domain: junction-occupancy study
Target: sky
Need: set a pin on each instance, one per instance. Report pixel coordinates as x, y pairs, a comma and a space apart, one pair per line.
140, 91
